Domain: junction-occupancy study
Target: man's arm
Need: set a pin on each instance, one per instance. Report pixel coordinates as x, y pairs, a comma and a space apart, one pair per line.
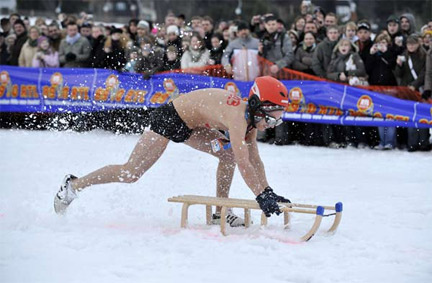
255, 158
241, 153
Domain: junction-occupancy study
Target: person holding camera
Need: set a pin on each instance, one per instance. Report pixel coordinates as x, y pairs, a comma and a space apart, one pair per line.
275, 46
75, 49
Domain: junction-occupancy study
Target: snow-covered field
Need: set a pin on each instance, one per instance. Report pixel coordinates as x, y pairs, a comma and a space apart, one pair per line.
130, 233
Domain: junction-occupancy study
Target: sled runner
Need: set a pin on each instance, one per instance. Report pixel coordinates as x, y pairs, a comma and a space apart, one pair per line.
247, 205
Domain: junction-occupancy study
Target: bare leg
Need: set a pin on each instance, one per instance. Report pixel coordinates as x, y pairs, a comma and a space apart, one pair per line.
200, 140
147, 151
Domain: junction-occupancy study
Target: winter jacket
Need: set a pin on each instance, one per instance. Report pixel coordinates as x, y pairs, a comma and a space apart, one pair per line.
238, 43
81, 48
322, 57
277, 48
303, 59
428, 74
171, 65
27, 53
49, 60
115, 60
192, 58
97, 54
379, 68
177, 43
351, 64
419, 65
364, 48
216, 54
151, 64
16, 49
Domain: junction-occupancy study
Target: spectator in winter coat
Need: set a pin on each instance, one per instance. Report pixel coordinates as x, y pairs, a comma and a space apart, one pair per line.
174, 39
46, 56
304, 54
428, 76
407, 24
143, 30
299, 26
54, 35
21, 38
196, 55
345, 66
275, 46
74, 50
324, 51
217, 50
410, 69
172, 61
115, 47
133, 54
398, 41
29, 48
97, 54
132, 29
380, 67
364, 43
345, 63
150, 60
208, 26
4, 53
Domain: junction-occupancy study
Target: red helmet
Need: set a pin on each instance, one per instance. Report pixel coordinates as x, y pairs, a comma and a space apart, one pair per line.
270, 90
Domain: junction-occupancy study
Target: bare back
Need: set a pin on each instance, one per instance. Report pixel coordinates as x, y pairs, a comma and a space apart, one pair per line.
212, 108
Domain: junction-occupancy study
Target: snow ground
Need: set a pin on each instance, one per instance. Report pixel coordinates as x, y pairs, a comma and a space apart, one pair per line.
130, 233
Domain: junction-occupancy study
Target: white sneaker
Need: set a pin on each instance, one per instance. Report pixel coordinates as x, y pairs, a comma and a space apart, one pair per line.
65, 195
232, 219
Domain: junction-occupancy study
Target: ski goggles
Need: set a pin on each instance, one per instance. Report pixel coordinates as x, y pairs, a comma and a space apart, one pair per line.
270, 120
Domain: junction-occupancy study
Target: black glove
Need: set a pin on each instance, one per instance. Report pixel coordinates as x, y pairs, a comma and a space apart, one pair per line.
277, 197
267, 202
70, 57
426, 94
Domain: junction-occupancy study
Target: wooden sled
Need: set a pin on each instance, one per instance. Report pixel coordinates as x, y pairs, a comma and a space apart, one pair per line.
247, 205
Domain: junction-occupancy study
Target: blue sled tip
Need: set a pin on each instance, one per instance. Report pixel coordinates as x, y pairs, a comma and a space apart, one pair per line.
320, 210
339, 207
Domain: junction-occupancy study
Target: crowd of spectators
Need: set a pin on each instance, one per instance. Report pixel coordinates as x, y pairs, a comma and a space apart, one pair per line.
314, 43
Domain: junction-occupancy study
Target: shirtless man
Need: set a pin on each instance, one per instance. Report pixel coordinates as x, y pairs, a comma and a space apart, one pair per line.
196, 119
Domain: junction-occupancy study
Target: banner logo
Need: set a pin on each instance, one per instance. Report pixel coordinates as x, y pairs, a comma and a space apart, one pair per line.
6, 84
365, 104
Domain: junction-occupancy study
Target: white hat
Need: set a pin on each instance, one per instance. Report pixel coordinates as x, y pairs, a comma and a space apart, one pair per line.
144, 25
172, 29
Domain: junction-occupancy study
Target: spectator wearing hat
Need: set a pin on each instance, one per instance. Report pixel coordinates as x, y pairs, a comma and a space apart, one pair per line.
173, 38
323, 52
197, 55
410, 69
427, 40
407, 24
29, 48
20, 31
398, 40
46, 56
97, 54
295, 39
299, 26
171, 59
114, 47
364, 42
86, 31
246, 42
143, 30
74, 50
6, 26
